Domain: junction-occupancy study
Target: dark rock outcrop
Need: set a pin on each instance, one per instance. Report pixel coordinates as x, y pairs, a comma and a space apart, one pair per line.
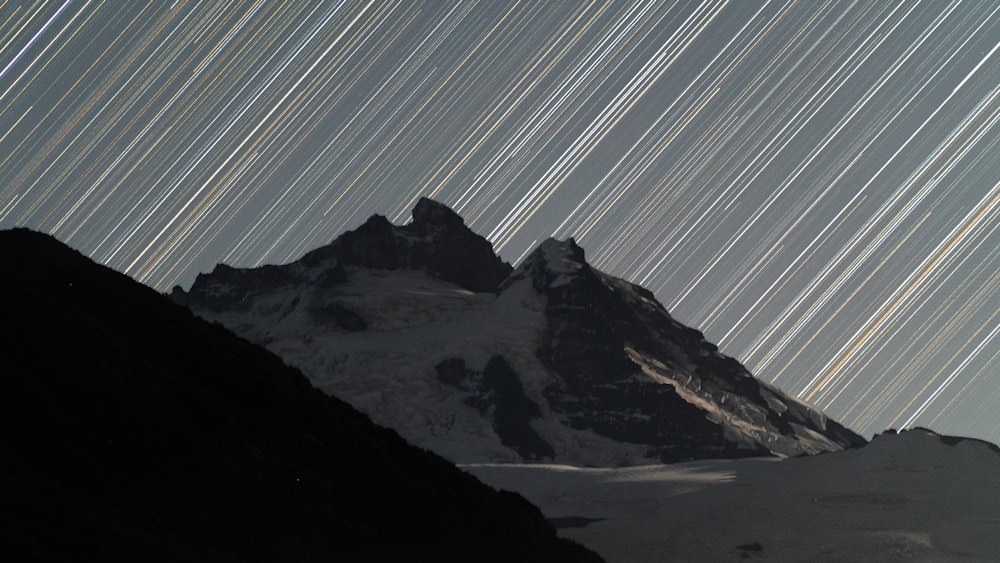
436, 241
497, 393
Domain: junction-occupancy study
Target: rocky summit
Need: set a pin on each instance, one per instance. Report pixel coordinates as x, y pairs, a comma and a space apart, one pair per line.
425, 329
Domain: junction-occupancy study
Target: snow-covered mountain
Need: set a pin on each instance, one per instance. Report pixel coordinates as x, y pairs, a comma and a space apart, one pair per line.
426, 330
913, 496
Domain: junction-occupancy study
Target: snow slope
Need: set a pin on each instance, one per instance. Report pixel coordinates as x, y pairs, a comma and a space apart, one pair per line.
414, 322
915, 496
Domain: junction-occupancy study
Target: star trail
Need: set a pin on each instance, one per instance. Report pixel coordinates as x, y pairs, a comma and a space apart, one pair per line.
814, 185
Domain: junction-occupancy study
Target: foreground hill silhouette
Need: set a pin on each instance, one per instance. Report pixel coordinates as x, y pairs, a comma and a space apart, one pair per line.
134, 431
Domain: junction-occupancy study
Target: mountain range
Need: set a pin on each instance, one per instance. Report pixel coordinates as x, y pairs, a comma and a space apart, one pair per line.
422, 327
134, 430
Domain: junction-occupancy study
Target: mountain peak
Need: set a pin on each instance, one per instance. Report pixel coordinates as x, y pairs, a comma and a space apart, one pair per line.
555, 263
433, 213
562, 255
436, 241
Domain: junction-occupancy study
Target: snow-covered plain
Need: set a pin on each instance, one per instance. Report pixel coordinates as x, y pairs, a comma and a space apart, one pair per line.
905, 497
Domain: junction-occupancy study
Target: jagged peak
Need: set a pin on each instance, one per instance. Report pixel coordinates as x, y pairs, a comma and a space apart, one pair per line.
562, 260
554, 263
436, 241
430, 212
563, 256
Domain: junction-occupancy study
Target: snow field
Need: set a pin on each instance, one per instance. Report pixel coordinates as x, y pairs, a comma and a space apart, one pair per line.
907, 497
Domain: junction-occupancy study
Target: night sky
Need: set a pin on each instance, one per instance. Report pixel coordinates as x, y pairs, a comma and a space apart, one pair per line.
814, 185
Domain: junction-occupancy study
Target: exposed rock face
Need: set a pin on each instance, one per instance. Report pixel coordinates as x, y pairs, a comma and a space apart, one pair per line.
426, 330
629, 371
497, 392
436, 241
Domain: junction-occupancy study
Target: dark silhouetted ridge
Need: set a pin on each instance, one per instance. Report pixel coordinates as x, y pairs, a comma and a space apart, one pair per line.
134, 431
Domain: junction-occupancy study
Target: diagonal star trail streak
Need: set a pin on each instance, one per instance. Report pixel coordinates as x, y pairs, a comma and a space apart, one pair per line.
813, 185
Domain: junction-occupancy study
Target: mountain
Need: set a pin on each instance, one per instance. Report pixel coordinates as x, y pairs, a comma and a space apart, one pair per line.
132, 430
911, 496
426, 330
